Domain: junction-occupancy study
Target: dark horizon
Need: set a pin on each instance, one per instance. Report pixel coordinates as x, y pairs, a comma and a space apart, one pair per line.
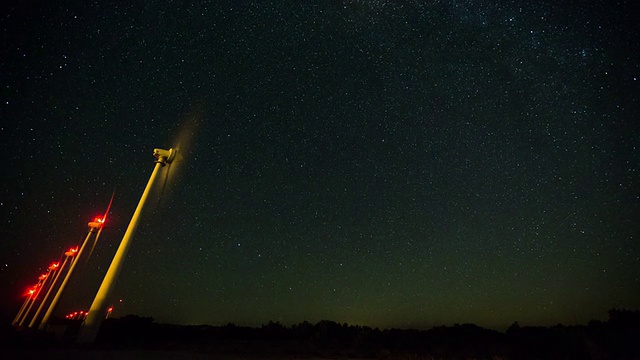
634, 313
131, 334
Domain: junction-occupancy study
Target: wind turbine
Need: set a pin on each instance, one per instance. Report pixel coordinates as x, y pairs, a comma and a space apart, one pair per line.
104, 219
98, 224
91, 325
43, 282
166, 160
33, 293
57, 269
30, 293
68, 254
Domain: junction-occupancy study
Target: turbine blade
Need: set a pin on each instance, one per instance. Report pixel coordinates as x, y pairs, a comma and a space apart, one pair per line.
104, 218
165, 182
95, 242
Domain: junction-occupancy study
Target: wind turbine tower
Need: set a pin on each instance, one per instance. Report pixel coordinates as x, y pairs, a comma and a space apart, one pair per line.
97, 312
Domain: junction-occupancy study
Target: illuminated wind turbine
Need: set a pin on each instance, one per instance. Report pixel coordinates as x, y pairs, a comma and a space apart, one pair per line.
30, 293
43, 281
91, 325
55, 268
69, 254
98, 223
104, 219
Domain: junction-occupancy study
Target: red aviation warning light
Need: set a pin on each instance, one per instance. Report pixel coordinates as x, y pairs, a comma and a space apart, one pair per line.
72, 252
77, 315
31, 291
54, 266
42, 277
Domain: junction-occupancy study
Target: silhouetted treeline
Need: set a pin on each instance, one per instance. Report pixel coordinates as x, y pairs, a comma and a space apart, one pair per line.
617, 338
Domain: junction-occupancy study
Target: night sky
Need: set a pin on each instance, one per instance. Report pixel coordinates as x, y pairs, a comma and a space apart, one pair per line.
381, 163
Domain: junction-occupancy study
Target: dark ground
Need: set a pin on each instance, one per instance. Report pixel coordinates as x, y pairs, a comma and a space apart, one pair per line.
134, 337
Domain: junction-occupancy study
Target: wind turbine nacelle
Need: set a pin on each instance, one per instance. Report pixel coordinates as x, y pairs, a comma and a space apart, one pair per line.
97, 223
164, 156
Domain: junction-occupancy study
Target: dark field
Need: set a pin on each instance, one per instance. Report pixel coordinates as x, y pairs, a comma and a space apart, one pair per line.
134, 337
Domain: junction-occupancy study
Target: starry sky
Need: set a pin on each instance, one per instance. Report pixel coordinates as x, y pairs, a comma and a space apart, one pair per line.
381, 163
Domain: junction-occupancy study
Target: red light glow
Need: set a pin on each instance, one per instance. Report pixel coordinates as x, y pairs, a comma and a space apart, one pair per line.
77, 315
97, 222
